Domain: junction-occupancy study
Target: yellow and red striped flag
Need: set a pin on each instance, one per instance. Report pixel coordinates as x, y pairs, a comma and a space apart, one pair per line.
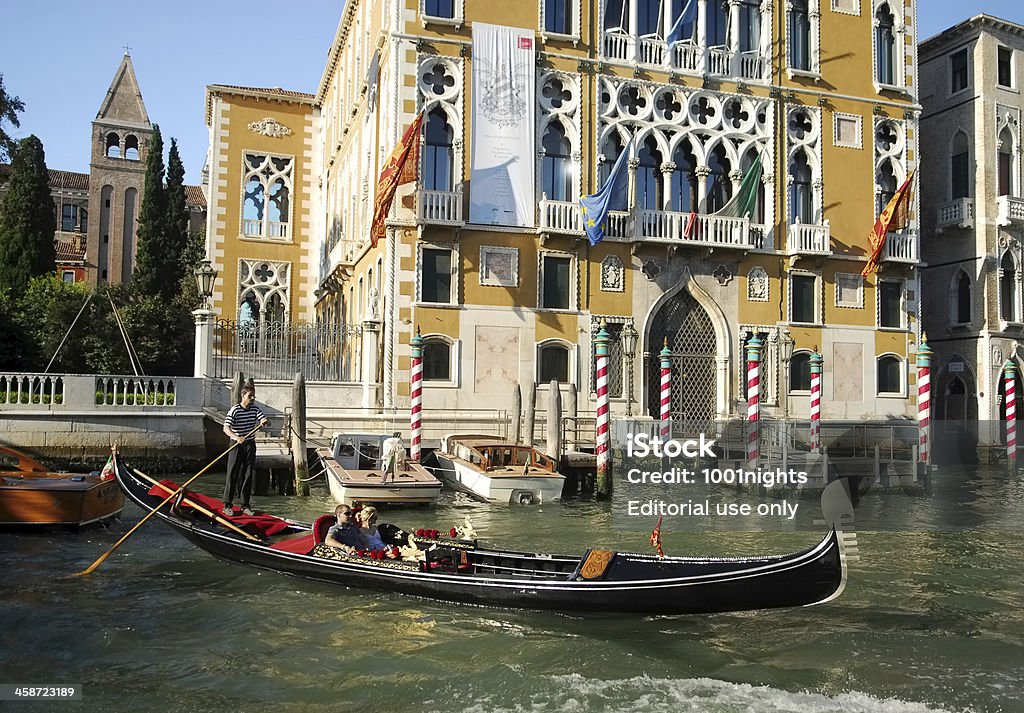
896, 216
402, 167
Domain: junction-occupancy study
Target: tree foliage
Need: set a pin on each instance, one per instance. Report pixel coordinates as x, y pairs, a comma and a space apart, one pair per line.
176, 235
150, 256
9, 108
27, 219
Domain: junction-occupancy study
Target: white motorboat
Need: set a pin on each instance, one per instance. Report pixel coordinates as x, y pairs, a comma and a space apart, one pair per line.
356, 474
493, 469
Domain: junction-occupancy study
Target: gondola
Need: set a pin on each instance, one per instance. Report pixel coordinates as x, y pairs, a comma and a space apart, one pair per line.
467, 572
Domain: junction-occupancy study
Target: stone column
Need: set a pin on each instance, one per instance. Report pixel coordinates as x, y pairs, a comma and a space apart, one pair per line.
371, 352
203, 365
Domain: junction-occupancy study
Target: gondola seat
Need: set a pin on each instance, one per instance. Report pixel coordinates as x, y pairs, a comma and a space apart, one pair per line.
304, 544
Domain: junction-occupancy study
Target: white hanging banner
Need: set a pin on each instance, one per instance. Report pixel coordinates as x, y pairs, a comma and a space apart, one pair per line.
504, 158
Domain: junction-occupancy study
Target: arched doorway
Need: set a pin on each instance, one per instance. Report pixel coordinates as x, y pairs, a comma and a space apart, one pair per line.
691, 338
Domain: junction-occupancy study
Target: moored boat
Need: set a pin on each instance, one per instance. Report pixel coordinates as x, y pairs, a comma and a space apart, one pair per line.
466, 571
356, 474
32, 494
492, 469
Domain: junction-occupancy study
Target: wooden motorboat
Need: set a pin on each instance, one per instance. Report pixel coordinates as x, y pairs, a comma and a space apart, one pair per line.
32, 494
468, 572
492, 469
356, 474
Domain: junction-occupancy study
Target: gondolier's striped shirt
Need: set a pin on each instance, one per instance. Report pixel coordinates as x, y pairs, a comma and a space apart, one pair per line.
242, 420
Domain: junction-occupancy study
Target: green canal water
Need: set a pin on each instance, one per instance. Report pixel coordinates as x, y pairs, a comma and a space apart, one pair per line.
932, 620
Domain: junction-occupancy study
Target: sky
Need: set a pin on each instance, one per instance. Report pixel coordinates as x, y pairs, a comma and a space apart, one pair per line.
59, 57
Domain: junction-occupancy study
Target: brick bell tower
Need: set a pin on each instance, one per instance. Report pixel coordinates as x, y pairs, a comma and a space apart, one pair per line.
121, 136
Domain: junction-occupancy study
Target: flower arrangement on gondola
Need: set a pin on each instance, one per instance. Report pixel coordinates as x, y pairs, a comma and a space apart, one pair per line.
459, 532
391, 553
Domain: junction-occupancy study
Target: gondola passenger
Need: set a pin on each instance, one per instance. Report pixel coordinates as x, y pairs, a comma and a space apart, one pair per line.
345, 534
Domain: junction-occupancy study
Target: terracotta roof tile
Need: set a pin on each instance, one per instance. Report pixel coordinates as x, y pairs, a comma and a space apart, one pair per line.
70, 250
69, 180
194, 196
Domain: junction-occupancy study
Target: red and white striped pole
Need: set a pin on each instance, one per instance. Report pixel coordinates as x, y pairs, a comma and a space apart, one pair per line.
416, 416
601, 341
753, 401
666, 393
816, 360
1010, 397
924, 398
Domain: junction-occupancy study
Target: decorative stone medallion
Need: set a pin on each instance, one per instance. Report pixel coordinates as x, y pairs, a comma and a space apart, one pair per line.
271, 127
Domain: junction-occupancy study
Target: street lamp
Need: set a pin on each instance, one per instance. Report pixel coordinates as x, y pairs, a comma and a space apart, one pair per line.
205, 277
629, 339
786, 343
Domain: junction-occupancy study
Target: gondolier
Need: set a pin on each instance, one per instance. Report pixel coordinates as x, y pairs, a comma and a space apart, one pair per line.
240, 425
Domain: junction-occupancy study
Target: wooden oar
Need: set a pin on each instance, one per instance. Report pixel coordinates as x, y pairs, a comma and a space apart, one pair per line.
199, 508
169, 498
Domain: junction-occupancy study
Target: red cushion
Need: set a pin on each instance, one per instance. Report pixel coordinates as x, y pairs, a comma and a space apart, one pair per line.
322, 526
298, 545
263, 525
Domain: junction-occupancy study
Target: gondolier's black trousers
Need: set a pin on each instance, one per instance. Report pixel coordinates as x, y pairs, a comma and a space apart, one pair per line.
241, 468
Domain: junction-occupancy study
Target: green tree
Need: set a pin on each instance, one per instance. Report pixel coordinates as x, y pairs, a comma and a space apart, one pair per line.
43, 315
27, 219
9, 108
150, 258
176, 236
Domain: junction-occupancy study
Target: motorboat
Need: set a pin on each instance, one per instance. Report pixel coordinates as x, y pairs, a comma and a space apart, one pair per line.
493, 469
356, 473
32, 494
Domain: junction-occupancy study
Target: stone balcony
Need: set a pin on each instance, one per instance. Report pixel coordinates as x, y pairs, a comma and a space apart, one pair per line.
806, 239
658, 226
687, 57
902, 247
955, 214
1010, 211
439, 207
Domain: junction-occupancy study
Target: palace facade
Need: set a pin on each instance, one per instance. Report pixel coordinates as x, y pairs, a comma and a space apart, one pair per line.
970, 90
526, 106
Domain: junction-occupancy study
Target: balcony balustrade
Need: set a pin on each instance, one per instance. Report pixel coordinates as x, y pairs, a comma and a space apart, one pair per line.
618, 46
273, 229
560, 217
1011, 211
901, 247
440, 207
804, 239
955, 214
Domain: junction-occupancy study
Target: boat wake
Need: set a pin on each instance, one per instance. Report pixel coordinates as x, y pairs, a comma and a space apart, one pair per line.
573, 692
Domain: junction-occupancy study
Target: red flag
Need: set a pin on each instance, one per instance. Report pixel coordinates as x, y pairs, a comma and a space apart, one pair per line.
402, 167
896, 216
656, 538
690, 227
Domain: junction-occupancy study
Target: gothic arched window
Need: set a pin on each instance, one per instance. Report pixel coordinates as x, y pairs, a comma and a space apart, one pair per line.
648, 183
885, 45
801, 198
556, 165
438, 155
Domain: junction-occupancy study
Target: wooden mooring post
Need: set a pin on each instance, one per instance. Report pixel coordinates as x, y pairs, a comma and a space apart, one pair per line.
298, 435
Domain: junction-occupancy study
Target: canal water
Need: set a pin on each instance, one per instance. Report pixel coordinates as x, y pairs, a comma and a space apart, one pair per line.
932, 620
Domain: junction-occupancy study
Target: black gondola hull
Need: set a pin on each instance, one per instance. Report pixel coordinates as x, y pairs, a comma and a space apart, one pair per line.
631, 583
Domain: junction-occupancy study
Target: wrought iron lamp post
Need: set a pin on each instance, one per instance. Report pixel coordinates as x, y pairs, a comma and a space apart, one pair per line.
629, 338
786, 344
205, 277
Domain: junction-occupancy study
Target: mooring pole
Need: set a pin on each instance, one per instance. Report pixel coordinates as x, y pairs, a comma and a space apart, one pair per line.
416, 413
924, 400
753, 402
816, 360
604, 483
298, 435
1010, 407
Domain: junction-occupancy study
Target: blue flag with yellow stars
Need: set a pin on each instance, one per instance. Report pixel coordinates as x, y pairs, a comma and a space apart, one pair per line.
594, 208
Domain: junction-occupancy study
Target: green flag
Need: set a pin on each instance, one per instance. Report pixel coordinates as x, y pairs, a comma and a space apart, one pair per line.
743, 204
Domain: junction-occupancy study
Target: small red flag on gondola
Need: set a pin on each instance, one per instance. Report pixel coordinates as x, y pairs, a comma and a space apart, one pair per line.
656, 538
